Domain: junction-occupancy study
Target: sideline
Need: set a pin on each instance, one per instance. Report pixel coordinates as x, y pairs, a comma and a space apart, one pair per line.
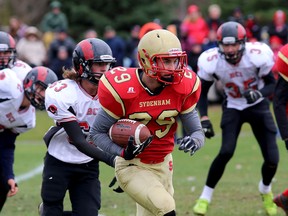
29, 174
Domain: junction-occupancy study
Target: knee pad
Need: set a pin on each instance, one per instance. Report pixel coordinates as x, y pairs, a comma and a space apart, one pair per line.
172, 213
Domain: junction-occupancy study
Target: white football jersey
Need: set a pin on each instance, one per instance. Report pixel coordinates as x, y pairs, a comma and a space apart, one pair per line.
11, 97
256, 62
65, 100
21, 69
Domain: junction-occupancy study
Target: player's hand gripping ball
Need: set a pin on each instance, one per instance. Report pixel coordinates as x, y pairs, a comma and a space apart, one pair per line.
120, 132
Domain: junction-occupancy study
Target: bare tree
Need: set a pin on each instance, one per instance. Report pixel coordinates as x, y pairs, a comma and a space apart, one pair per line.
30, 11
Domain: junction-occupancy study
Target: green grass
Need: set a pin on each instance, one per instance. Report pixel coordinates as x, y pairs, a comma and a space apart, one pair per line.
236, 194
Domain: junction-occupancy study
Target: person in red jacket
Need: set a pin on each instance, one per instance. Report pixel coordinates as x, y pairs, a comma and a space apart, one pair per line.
194, 29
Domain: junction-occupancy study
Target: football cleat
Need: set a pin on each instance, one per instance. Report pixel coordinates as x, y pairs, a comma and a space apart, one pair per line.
281, 201
269, 206
201, 207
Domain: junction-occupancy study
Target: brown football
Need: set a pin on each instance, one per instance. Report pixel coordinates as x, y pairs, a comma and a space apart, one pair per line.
120, 132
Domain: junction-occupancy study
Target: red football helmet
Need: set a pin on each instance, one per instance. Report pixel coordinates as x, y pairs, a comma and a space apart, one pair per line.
231, 33
161, 44
86, 53
36, 80
7, 50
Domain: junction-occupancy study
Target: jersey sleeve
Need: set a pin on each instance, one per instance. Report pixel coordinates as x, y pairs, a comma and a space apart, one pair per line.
10, 86
261, 56
193, 93
116, 87
21, 69
59, 99
207, 63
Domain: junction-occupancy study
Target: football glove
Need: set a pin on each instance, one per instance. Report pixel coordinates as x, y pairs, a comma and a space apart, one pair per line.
252, 95
187, 144
132, 150
207, 128
112, 183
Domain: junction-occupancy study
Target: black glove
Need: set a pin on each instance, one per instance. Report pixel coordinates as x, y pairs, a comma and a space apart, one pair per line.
286, 144
207, 128
188, 145
118, 189
132, 150
252, 95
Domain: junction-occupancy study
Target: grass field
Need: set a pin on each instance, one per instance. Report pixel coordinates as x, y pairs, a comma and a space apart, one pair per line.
236, 194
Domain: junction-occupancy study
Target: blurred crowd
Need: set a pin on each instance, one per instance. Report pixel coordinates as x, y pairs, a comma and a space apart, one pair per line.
50, 44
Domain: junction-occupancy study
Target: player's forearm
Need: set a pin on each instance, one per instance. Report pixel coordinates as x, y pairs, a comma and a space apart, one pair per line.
99, 133
203, 101
7, 160
192, 126
78, 139
269, 87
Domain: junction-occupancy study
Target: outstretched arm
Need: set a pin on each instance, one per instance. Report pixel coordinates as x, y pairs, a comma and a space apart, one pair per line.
78, 139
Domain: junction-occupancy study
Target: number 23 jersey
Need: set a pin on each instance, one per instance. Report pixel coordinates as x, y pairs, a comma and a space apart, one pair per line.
65, 101
122, 95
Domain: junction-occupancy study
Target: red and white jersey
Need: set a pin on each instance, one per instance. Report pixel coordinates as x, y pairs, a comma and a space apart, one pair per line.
65, 101
11, 97
256, 62
21, 69
122, 95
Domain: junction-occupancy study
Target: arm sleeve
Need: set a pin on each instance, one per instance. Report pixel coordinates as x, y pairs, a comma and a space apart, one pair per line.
78, 139
203, 101
99, 133
269, 86
192, 125
7, 149
280, 101
7, 160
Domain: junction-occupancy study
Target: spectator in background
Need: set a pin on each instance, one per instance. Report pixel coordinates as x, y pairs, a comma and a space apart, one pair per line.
278, 27
194, 29
174, 27
193, 55
211, 40
116, 43
148, 27
131, 47
61, 62
90, 33
252, 28
237, 16
214, 17
31, 48
62, 39
52, 22
16, 28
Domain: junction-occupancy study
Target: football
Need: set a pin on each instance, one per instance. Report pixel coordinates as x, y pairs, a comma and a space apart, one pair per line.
120, 132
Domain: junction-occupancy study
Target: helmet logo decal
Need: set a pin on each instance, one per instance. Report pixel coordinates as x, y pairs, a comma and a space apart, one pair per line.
173, 50
53, 109
229, 40
87, 46
2, 76
4, 47
42, 74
